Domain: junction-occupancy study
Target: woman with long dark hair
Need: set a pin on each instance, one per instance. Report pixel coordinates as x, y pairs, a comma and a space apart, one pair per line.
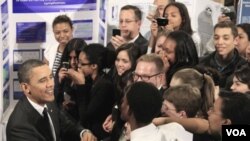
126, 56
95, 92
64, 87
179, 49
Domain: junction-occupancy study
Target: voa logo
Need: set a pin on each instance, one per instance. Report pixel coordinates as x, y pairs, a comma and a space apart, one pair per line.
236, 132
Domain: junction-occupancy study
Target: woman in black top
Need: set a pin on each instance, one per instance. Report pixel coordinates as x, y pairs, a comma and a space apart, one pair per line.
64, 87
95, 92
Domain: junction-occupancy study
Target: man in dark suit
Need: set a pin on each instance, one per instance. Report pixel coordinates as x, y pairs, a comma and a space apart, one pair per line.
129, 24
29, 121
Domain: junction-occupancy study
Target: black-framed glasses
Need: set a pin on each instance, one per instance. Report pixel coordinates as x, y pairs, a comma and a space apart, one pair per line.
143, 77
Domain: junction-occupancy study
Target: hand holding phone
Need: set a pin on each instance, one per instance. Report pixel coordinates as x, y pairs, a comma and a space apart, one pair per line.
65, 65
162, 21
227, 12
116, 32
231, 15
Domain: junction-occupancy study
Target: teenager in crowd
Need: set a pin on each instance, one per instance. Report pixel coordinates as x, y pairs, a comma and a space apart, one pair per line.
241, 79
65, 94
244, 38
63, 32
225, 58
95, 92
180, 51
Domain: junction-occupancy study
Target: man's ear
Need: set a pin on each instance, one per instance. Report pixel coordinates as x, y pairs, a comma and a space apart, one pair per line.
139, 23
182, 114
226, 122
94, 66
25, 88
161, 76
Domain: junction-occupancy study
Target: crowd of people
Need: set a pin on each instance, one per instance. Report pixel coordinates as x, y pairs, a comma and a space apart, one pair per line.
156, 88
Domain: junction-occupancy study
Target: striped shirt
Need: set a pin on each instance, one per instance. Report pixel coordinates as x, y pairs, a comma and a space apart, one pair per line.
57, 62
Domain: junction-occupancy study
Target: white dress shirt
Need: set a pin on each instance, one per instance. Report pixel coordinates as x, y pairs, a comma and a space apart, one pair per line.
167, 132
40, 109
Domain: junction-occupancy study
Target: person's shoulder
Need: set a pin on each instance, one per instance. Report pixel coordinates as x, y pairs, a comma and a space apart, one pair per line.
21, 104
110, 46
173, 126
141, 39
142, 44
206, 58
19, 112
175, 131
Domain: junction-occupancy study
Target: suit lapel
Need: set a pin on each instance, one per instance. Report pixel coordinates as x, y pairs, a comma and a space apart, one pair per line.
53, 112
36, 119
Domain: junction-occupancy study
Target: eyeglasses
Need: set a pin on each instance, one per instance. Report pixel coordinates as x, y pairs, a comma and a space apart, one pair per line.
143, 77
126, 21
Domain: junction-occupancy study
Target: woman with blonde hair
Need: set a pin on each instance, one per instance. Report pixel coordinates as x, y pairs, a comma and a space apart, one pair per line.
201, 81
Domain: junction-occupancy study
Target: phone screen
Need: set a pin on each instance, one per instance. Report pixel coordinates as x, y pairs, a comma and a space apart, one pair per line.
65, 65
162, 21
116, 32
230, 15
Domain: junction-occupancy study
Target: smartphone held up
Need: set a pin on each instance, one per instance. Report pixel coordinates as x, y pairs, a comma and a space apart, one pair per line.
65, 65
116, 32
162, 21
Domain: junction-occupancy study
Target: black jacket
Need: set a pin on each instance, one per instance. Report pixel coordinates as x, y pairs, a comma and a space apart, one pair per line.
95, 101
26, 124
227, 71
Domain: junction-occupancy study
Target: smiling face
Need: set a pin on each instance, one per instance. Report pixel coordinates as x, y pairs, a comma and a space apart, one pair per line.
169, 50
63, 33
239, 86
147, 72
122, 62
159, 44
224, 41
40, 88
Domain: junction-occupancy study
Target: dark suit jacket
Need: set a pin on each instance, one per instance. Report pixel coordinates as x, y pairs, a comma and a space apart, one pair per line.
141, 42
26, 124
